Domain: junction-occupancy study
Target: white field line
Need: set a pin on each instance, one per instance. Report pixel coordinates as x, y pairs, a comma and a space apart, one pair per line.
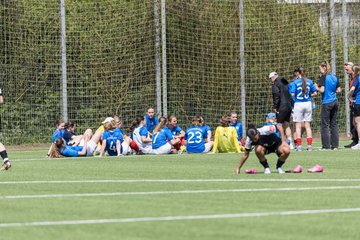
45, 158
178, 181
32, 159
175, 192
180, 218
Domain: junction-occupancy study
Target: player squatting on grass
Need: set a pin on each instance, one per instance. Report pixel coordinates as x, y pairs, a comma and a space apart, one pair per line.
265, 141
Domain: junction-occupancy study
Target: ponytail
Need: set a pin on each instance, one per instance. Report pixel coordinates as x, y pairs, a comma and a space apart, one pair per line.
303, 78
162, 122
135, 123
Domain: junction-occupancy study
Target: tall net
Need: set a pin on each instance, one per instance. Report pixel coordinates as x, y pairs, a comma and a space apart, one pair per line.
112, 56
110, 64
204, 49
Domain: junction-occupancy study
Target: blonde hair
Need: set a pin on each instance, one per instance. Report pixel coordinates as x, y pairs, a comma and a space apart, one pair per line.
55, 152
109, 125
326, 65
117, 119
356, 69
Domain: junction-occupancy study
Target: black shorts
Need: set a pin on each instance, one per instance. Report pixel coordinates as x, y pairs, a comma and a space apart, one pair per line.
283, 115
356, 110
273, 148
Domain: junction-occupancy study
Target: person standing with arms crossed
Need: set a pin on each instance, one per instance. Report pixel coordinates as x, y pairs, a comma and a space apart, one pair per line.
354, 135
328, 87
281, 102
354, 98
6, 162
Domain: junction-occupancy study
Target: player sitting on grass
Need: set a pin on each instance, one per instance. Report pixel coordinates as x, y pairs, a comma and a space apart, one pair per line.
86, 147
59, 132
177, 133
111, 140
162, 138
265, 141
226, 138
195, 138
140, 135
69, 134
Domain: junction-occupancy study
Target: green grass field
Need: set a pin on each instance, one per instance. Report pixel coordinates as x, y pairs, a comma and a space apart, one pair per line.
179, 197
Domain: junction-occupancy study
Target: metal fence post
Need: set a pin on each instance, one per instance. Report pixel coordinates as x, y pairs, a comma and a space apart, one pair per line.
164, 62
157, 58
242, 64
332, 35
63, 84
346, 59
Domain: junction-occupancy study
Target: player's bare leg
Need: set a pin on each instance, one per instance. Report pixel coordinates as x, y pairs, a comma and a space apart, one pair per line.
6, 164
282, 127
260, 153
283, 153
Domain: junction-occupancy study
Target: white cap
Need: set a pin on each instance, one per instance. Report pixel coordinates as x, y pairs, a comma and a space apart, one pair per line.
108, 119
272, 74
349, 63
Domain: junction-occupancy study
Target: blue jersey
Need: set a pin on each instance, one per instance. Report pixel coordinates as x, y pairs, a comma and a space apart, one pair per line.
144, 132
121, 131
175, 130
356, 94
239, 129
161, 138
57, 134
330, 83
292, 100
71, 151
111, 138
195, 139
151, 123
67, 136
296, 90
205, 129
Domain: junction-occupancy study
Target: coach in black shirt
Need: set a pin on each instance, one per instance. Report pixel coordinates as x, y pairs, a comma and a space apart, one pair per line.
281, 102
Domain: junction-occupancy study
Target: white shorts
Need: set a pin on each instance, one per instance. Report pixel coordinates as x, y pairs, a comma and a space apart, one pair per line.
207, 147
302, 112
147, 149
164, 149
125, 147
90, 148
